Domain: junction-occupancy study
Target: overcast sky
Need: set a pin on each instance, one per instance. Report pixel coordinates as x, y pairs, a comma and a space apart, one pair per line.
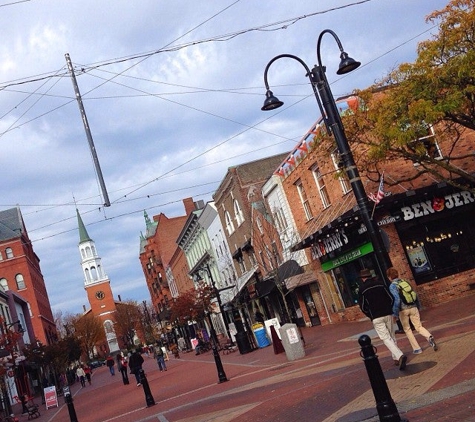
172, 91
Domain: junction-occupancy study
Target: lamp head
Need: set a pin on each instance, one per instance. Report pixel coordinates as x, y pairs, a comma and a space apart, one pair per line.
271, 102
347, 64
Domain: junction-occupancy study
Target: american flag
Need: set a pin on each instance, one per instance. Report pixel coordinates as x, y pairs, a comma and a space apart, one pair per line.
380, 194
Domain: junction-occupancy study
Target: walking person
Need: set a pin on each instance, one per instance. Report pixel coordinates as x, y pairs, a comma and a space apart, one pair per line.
81, 375
122, 367
135, 365
376, 302
159, 356
88, 372
110, 364
407, 313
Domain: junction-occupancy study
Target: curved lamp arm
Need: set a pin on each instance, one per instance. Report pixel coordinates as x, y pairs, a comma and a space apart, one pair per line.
275, 102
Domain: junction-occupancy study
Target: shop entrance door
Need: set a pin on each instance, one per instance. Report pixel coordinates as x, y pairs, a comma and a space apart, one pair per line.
310, 305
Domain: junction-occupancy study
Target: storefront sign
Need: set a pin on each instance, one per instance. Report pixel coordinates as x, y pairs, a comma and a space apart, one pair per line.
437, 204
348, 257
329, 244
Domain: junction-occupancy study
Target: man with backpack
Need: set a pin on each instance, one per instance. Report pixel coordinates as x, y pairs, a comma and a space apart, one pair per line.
376, 302
406, 307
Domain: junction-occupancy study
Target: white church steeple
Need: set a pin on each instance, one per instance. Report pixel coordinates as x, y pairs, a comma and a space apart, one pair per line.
90, 260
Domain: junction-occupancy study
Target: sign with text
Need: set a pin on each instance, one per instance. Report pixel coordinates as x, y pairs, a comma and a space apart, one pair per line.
51, 398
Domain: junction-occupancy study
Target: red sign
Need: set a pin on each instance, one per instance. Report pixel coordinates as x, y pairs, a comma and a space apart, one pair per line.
51, 399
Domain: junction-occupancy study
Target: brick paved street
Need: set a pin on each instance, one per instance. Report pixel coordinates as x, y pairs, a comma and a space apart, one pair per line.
330, 384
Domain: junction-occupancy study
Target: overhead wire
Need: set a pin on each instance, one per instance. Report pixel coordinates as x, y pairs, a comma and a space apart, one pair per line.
209, 90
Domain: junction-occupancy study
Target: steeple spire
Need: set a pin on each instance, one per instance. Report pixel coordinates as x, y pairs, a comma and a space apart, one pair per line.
83, 236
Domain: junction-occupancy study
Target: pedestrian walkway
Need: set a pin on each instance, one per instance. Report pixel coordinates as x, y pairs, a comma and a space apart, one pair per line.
329, 384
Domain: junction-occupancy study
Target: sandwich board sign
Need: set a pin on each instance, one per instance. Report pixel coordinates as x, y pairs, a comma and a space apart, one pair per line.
51, 398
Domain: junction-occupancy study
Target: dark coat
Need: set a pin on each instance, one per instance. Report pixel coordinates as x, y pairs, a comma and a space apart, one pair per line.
135, 362
375, 299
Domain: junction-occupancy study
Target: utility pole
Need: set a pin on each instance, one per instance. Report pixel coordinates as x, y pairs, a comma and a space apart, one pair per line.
88, 133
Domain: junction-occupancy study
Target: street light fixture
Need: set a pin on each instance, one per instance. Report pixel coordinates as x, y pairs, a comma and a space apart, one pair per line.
332, 120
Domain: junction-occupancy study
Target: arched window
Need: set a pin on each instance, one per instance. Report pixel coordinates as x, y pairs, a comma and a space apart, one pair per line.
229, 223
238, 213
88, 275
94, 273
20, 282
4, 284
9, 252
108, 327
88, 251
83, 254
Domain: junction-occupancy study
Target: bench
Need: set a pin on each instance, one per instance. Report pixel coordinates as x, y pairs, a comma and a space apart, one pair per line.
28, 407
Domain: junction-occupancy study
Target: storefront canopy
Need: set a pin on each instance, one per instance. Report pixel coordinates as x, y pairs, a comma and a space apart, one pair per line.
299, 280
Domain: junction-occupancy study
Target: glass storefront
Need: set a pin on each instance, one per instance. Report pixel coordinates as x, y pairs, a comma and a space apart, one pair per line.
438, 247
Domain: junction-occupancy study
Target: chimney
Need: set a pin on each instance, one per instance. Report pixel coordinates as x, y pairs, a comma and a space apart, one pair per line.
189, 205
199, 205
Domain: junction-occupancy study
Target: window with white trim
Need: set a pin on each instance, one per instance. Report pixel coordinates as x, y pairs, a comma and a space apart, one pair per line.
229, 223
238, 213
304, 199
9, 253
342, 178
20, 282
429, 142
322, 189
4, 284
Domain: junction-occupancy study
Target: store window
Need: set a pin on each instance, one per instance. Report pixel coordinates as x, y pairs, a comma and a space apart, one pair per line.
437, 248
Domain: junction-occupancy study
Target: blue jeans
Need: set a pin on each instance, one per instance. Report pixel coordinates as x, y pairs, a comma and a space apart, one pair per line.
161, 363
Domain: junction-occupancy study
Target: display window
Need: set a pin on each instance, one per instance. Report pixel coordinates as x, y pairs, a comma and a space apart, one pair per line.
439, 247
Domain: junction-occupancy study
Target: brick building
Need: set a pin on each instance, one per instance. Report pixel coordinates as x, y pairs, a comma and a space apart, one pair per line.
425, 223
20, 272
240, 188
158, 248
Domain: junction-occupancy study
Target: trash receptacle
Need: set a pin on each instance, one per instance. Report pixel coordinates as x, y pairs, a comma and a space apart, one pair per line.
243, 343
261, 336
293, 345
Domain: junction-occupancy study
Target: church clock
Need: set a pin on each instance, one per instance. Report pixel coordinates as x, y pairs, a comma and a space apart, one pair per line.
100, 295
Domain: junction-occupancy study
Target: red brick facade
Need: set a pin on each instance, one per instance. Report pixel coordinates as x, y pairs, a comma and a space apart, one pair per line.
320, 222
19, 259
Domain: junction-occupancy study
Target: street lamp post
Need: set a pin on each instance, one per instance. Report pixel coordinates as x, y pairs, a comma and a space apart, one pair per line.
334, 126
220, 304
214, 344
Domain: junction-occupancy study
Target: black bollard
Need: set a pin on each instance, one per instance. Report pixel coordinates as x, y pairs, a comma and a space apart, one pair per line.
219, 366
69, 401
385, 405
146, 388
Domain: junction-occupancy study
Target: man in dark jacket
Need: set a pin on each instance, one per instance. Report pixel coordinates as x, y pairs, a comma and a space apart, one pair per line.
376, 302
135, 365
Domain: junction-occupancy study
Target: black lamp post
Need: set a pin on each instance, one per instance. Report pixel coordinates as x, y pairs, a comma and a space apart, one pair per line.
334, 126
218, 298
214, 344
